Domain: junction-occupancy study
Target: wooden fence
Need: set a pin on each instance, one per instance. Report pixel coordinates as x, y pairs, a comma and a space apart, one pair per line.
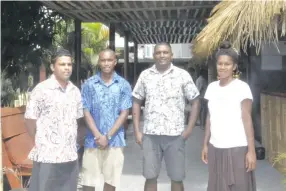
273, 126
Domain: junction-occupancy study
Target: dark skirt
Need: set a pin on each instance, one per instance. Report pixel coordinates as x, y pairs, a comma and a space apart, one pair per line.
54, 177
227, 170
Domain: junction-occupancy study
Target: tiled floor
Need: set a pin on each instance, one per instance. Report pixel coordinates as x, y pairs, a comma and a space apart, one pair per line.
268, 179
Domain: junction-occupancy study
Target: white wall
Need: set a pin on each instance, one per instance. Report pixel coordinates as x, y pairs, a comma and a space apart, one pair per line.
179, 50
272, 57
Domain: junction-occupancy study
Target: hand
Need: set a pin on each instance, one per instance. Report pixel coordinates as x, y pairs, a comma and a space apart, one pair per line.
102, 142
250, 161
205, 154
138, 137
186, 134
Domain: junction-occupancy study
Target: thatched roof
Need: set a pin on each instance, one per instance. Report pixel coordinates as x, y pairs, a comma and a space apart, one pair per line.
242, 23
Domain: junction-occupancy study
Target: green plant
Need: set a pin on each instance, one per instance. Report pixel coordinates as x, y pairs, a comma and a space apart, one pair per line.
279, 158
7, 90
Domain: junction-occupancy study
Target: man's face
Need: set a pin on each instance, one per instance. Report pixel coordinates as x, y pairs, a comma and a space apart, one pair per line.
62, 68
163, 54
107, 62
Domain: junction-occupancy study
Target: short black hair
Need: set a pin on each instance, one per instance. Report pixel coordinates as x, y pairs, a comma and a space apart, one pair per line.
163, 43
227, 49
109, 50
59, 53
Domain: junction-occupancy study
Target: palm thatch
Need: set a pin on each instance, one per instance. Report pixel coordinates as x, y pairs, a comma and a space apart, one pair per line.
243, 23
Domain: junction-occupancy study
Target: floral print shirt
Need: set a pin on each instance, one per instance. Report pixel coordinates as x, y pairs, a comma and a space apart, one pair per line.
56, 111
164, 96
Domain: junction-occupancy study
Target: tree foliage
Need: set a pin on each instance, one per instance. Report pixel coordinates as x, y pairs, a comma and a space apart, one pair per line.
27, 30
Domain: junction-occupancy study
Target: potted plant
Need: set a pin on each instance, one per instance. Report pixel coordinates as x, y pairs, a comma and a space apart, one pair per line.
278, 159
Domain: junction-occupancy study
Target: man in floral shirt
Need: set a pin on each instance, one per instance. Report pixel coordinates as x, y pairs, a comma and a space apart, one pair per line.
51, 119
164, 87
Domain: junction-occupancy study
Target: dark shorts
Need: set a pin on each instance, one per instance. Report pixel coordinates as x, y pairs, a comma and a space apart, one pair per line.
172, 148
54, 177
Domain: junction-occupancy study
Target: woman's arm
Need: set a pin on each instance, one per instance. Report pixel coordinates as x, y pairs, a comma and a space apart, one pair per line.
248, 127
206, 139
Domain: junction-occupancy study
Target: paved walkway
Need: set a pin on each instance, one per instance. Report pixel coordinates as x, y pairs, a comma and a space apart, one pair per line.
268, 179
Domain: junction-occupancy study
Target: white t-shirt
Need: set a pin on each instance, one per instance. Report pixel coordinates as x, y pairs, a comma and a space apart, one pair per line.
224, 105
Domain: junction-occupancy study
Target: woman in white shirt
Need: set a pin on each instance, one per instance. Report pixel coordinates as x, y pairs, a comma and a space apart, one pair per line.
229, 148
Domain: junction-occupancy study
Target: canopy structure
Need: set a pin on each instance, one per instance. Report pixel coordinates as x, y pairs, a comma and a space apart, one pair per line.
147, 22
243, 23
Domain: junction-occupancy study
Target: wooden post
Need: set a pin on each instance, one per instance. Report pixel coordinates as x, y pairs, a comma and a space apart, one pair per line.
126, 55
112, 36
77, 49
135, 62
1, 166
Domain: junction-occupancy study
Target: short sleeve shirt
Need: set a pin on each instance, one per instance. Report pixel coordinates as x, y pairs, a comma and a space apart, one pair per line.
164, 96
105, 102
224, 103
56, 111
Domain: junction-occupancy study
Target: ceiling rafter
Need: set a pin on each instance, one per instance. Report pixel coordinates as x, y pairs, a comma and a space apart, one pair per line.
187, 7
145, 21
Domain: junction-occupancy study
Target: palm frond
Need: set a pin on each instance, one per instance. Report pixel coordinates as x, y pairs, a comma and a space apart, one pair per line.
243, 23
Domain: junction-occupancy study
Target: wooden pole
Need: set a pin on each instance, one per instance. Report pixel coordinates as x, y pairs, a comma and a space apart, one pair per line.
77, 49
112, 36
126, 55
1, 166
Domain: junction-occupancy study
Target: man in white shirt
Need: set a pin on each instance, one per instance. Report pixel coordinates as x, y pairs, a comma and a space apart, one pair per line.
164, 87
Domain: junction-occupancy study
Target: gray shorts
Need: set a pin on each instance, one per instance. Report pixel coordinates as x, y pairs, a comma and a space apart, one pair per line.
172, 148
54, 177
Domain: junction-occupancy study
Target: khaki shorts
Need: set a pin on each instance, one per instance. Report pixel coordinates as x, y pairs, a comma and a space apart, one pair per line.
96, 162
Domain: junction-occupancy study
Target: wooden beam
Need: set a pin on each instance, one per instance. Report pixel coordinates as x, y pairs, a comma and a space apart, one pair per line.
122, 9
162, 30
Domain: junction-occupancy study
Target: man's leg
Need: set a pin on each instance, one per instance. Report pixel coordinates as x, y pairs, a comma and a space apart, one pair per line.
55, 176
152, 158
91, 168
34, 184
112, 168
174, 156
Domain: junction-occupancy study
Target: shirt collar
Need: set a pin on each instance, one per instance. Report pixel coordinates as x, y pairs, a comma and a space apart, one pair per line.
115, 77
54, 84
154, 69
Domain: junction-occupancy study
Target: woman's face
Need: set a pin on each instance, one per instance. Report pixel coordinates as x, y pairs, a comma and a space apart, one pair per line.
225, 67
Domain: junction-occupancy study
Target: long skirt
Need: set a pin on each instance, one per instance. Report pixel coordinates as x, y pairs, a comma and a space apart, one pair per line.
54, 177
227, 171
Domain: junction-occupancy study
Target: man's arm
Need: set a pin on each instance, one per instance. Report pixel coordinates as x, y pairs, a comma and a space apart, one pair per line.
119, 122
91, 124
86, 93
33, 111
192, 94
31, 128
81, 131
136, 112
126, 103
192, 118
